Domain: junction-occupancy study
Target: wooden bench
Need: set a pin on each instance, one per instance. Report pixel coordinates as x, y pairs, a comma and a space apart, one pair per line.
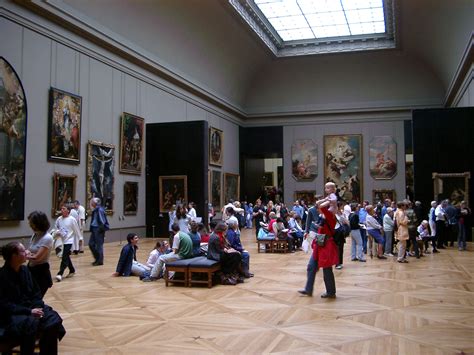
280, 246
268, 244
200, 265
190, 267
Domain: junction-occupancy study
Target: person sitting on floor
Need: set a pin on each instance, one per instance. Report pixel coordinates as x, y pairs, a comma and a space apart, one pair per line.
160, 249
233, 237
128, 264
182, 249
230, 259
23, 314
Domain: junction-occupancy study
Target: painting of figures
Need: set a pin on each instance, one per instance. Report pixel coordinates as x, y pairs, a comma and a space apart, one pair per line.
215, 188
216, 146
173, 191
131, 144
64, 192
130, 198
100, 174
231, 187
304, 160
13, 115
382, 195
383, 158
64, 133
343, 165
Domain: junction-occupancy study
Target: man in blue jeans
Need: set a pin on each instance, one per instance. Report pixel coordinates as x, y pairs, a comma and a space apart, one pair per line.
99, 225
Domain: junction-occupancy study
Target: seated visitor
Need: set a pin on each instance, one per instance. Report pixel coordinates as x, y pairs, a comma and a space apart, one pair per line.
196, 238
295, 228
128, 264
425, 236
203, 231
233, 237
281, 233
23, 314
160, 249
231, 260
182, 249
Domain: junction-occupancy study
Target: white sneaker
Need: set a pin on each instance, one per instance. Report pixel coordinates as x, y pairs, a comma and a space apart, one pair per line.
339, 267
388, 254
58, 278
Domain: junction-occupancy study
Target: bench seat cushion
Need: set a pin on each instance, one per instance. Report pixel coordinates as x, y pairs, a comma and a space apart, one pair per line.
202, 262
180, 263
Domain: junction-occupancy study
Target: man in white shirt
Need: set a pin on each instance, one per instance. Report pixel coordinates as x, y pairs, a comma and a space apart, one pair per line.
81, 221
441, 221
68, 230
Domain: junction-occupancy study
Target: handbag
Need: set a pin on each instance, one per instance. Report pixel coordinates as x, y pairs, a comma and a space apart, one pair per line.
321, 239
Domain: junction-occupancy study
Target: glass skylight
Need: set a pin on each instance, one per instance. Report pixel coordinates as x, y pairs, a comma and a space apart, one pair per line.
315, 19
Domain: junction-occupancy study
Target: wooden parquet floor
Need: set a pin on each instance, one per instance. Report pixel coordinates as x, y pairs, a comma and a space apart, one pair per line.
382, 307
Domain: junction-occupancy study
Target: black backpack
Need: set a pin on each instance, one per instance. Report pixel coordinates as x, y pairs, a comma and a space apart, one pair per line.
354, 221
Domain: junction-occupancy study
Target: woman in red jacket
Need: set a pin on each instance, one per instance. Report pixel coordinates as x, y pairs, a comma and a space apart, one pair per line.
323, 256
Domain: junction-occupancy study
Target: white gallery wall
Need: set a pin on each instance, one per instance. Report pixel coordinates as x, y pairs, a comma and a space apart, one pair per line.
107, 88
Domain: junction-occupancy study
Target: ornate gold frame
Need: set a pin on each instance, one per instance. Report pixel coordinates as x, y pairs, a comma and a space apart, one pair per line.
438, 183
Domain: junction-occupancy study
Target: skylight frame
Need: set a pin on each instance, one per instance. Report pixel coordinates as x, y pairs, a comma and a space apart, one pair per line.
252, 15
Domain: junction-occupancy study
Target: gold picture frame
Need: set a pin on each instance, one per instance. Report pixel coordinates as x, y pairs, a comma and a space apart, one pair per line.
173, 190
216, 146
64, 192
382, 195
215, 188
451, 186
231, 187
131, 144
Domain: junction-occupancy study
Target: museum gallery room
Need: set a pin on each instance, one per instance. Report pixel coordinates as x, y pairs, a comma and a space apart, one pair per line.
149, 112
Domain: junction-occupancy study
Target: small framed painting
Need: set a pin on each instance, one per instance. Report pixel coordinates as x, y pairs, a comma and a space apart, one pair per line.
231, 187
131, 144
64, 127
216, 146
215, 188
64, 192
173, 191
304, 160
130, 198
382, 195
309, 196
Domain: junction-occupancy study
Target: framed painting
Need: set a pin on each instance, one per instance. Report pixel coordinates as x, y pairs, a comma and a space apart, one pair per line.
216, 146
231, 187
383, 158
382, 195
64, 127
64, 192
451, 186
309, 196
130, 198
100, 174
268, 178
215, 188
343, 165
13, 115
173, 191
304, 160
131, 144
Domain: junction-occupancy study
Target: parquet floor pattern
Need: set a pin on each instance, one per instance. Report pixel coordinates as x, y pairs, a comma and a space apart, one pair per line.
382, 307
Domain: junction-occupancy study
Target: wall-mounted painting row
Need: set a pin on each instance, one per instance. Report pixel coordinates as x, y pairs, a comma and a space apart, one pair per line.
343, 164
13, 116
131, 143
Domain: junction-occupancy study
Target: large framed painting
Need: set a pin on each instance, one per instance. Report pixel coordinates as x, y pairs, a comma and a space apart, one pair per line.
343, 165
216, 146
173, 191
304, 160
383, 157
13, 116
64, 127
64, 192
309, 196
451, 186
131, 144
100, 174
231, 187
268, 178
382, 195
215, 188
130, 198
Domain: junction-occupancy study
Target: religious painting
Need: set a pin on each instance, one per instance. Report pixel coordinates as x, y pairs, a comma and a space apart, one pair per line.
100, 174
64, 127
304, 160
382, 195
343, 165
231, 187
64, 192
173, 191
451, 186
383, 158
13, 115
268, 178
130, 198
215, 188
216, 146
309, 196
131, 144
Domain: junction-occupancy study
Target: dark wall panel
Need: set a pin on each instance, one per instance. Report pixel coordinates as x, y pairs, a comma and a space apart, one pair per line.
179, 148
